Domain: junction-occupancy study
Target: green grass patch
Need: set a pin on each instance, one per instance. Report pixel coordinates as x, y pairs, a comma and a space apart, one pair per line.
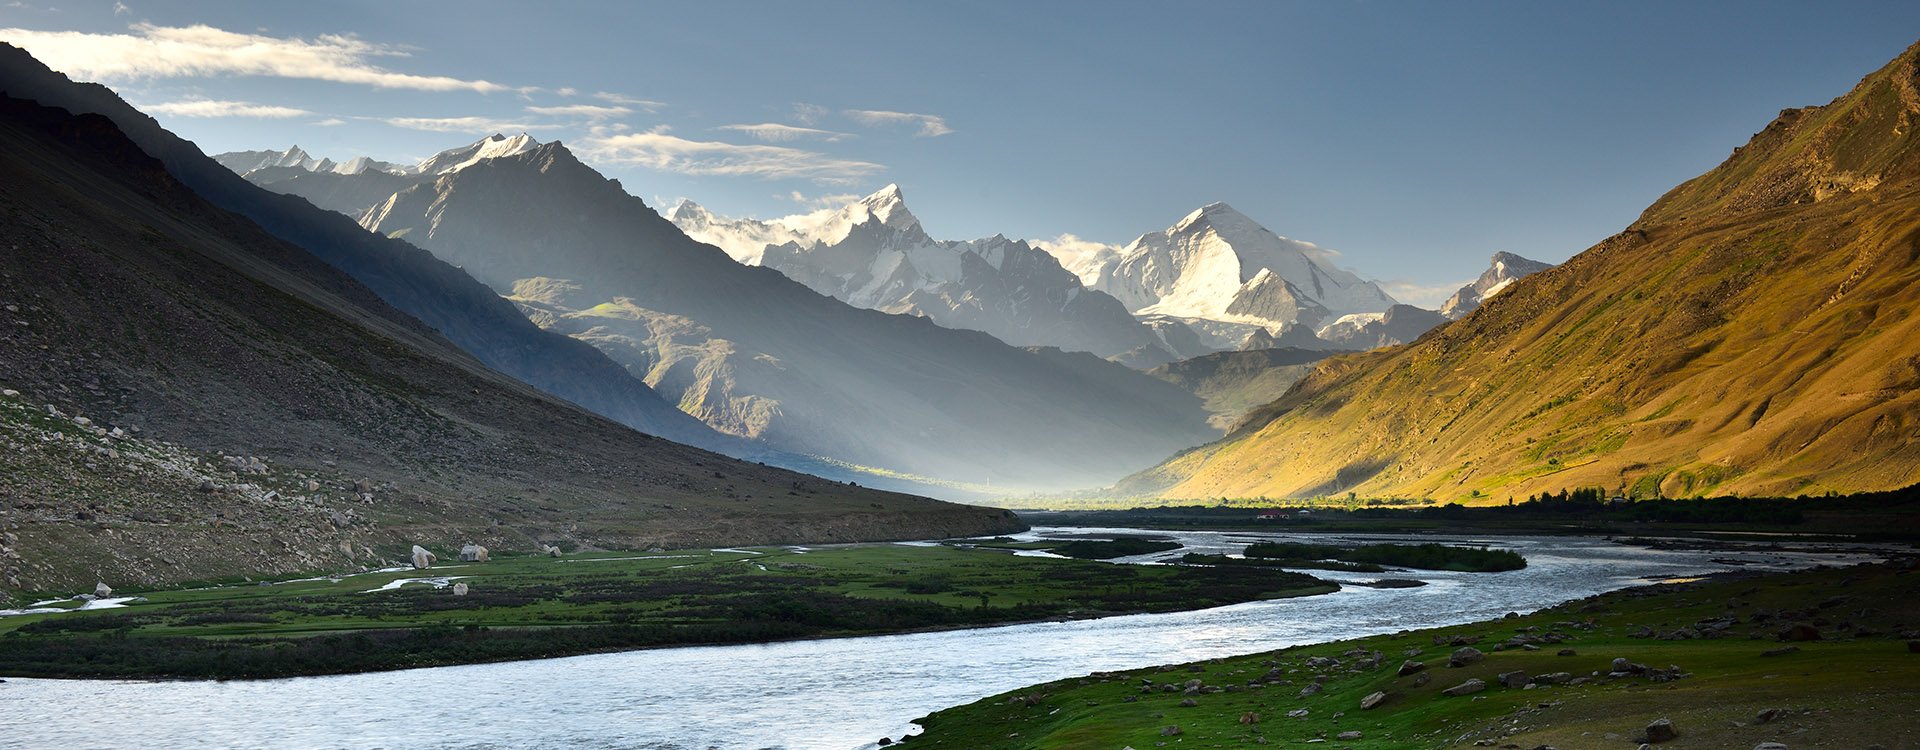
1845, 690
529, 607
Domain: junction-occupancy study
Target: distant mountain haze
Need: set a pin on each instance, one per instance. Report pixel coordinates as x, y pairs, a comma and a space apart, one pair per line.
761, 356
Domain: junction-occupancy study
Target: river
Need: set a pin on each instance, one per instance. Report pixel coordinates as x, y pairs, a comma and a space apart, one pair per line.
839, 694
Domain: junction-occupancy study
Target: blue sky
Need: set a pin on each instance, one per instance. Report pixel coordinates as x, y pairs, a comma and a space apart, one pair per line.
1413, 138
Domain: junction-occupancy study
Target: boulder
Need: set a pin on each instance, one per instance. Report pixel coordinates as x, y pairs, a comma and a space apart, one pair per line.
362, 486
1373, 700
102, 591
473, 553
1410, 666
1171, 731
1770, 746
1661, 730
1800, 631
460, 589
1250, 718
1514, 679
1348, 736
422, 559
1421, 680
1466, 688
1465, 655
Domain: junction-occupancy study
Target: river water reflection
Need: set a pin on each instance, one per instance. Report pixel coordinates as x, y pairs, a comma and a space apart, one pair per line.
838, 694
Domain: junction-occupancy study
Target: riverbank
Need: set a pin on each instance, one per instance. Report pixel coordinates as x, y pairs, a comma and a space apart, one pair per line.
1868, 518
1818, 657
526, 607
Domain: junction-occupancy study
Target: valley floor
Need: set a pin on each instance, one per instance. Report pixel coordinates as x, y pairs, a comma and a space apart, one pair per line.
1824, 657
522, 607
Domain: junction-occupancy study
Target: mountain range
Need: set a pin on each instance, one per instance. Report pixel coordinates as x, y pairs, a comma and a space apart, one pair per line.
875, 254
1753, 332
761, 356
188, 395
1215, 281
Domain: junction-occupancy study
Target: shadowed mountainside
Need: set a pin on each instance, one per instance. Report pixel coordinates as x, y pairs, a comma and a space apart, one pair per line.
197, 398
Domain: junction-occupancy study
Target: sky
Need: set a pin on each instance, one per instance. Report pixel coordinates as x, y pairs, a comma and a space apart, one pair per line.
1414, 139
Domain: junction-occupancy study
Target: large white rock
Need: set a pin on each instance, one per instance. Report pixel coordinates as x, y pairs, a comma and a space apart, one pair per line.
422, 559
459, 589
102, 590
473, 553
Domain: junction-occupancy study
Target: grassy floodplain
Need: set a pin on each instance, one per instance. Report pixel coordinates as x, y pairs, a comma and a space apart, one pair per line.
1712, 656
520, 607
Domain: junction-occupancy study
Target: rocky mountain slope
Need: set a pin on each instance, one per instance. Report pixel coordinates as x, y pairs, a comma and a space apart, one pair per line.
1753, 332
411, 280
188, 396
1231, 384
761, 356
1400, 324
875, 254
1226, 275
1502, 271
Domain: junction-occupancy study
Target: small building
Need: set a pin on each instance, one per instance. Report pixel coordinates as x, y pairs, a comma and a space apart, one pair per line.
1273, 515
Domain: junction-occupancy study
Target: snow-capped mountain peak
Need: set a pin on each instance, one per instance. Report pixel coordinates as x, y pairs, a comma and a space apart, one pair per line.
874, 253
1504, 269
889, 206
1217, 264
491, 147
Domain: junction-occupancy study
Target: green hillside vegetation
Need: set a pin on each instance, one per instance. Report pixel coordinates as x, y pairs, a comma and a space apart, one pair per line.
1753, 333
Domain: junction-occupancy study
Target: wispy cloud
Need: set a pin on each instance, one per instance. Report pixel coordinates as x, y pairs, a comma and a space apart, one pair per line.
121, 9
482, 125
808, 114
930, 125
330, 122
768, 131
594, 112
151, 51
222, 108
1422, 295
669, 153
648, 105
817, 202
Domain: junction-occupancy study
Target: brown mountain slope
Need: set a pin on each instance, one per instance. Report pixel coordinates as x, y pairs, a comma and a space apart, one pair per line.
130, 302
1753, 332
